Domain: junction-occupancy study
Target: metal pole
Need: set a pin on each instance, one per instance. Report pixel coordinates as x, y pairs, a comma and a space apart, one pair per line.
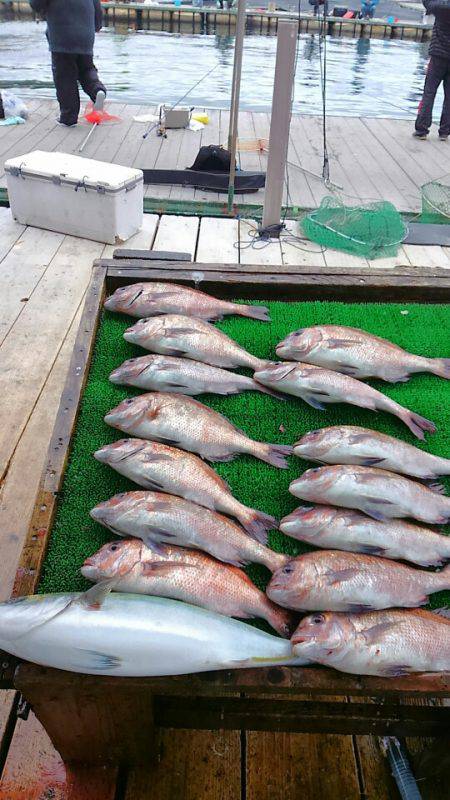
280, 121
85, 141
235, 94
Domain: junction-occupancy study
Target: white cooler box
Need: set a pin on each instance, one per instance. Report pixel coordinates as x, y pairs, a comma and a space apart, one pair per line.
79, 196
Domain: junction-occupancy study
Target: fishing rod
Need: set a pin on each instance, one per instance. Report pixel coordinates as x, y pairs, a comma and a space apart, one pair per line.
180, 100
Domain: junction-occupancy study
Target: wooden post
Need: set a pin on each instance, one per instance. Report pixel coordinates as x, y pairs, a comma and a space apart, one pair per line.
235, 94
280, 121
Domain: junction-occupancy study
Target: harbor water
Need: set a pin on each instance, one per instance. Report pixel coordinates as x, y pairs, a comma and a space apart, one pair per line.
365, 77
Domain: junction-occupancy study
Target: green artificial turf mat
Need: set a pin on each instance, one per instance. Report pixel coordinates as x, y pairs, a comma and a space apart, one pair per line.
422, 329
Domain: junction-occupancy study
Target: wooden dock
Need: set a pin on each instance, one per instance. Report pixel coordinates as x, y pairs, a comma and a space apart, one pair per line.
370, 158
43, 279
208, 19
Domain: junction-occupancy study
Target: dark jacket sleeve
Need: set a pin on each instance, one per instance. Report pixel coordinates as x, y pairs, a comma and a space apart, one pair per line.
98, 15
440, 8
40, 6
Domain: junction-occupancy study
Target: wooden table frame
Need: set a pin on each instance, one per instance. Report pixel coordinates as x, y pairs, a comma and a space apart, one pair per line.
93, 718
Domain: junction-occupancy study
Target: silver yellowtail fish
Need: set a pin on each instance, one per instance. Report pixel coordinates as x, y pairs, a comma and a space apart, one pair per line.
185, 575
357, 353
184, 422
132, 635
317, 386
377, 492
329, 580
181, 376
349, 444
175, 335
391, 643
154, 298
339, 529
158, 518
166, 469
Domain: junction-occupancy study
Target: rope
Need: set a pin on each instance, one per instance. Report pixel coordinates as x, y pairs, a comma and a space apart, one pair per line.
323, 83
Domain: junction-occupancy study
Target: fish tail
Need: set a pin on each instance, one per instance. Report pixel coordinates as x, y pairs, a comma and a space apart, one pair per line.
282, 621
256, 523
416, 424
274, 454
441, 580
253, 312
440, 367
276, 561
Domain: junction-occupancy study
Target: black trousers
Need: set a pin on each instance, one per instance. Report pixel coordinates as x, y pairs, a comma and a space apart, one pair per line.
438, 72
69, 69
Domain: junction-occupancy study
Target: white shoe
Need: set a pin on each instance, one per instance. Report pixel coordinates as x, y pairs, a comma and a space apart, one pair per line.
65, 124
100, 100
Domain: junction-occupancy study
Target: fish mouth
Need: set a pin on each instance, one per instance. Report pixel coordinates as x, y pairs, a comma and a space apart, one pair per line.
115, 376
88, 571
301, 638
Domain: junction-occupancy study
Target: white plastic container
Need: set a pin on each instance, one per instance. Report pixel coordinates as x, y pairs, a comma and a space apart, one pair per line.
74, 195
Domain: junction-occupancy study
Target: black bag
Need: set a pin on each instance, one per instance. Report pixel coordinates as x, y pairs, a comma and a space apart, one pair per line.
212, 158
2, 112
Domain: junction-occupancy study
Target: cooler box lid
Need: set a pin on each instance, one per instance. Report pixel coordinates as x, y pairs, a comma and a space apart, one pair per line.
74, 170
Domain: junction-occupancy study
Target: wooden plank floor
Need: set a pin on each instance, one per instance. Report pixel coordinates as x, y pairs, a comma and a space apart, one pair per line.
370, 158
43, 278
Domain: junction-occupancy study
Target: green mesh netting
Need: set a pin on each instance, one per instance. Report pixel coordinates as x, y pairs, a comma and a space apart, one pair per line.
375, 230
435, 202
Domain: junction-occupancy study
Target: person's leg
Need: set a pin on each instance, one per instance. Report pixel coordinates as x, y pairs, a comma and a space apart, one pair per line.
435, 74
65, 76
88, 77
444, 127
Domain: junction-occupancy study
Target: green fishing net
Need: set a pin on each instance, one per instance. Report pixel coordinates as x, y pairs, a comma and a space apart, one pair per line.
435, 202
375, 230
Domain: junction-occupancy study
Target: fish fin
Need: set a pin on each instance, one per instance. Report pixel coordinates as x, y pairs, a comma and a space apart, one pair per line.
356, 438
358, 608
179, 331
133, 299
440, 367
164, 567
97, 661
94, 597
347, 369
253, 312
442, 612
340, 575
397, 670
177, 386
129, 455
154, 545
160, 295
435, 486
280, 371
372, 634
371, 550
154, 458
165, 440
375, 513
368, 462
313, 402
335, 344
172, 352
147, 483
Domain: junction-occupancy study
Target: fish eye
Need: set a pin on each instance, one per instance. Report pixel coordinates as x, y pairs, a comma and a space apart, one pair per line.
313, 433
300, 330
318, 619
288, 569
130, 400
114, 547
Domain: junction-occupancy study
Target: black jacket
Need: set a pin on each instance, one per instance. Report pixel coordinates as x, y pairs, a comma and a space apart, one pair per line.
71, 24
440, 40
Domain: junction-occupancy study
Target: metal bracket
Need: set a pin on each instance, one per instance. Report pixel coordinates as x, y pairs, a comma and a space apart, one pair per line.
23, 708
